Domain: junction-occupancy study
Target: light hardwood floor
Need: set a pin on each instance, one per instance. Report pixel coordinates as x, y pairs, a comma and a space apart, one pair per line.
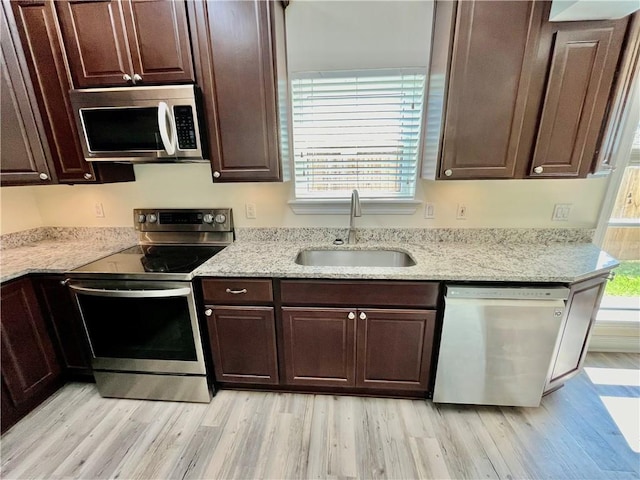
78, 434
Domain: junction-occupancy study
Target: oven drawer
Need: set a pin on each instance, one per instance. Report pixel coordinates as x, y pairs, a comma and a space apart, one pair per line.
237, 291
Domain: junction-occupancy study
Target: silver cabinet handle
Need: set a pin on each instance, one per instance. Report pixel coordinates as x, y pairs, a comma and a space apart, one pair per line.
65, 281
538, 169
448, 172
126, 77
363, 316
216, 174
208, 312
611, 276
88, 176
44, 176
236, 292
351, 316
136, 78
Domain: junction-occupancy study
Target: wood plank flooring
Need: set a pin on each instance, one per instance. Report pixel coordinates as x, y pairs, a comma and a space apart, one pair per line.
78, 434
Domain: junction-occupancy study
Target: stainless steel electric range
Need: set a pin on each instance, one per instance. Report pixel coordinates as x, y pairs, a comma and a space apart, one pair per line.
139, 310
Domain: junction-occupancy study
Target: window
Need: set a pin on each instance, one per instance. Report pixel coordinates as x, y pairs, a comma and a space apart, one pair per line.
357, 130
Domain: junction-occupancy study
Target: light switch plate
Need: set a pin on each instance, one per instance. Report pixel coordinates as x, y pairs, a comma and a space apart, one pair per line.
429, 210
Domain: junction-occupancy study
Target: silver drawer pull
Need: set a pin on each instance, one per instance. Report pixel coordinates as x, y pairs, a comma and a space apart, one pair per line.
236, 292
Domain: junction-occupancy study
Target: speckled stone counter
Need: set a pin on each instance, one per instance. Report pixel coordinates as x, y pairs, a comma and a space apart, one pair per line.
482, 260
58, 250
517, 255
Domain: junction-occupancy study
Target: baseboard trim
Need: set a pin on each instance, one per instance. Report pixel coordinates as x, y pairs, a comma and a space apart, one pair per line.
623, 337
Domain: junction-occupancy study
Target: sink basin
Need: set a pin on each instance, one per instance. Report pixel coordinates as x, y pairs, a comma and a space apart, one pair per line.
354, 258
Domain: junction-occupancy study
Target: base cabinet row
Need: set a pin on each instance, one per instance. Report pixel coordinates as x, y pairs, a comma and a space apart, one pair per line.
43, 342
359, 349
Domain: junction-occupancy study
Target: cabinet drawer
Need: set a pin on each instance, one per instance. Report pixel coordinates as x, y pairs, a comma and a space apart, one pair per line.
230, 291
360, 293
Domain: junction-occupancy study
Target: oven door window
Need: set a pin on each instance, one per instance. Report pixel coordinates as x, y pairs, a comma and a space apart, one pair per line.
122, 129
139, 328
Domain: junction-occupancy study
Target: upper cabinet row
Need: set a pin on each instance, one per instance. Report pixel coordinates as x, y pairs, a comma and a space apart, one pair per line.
233, 50
526, 98
521, 97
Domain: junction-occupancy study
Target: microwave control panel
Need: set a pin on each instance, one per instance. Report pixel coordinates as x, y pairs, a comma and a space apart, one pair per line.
185, 129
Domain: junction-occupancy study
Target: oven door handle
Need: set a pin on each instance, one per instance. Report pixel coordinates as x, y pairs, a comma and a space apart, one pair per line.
103, 292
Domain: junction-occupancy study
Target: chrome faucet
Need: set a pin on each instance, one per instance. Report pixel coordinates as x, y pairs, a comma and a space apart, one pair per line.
355, 212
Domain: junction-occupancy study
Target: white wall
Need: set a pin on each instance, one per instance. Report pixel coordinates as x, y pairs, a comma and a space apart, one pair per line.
490, 203
352, 35
18, 209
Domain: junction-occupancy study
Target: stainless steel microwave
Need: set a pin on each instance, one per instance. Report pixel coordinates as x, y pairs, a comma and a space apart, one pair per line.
139, 124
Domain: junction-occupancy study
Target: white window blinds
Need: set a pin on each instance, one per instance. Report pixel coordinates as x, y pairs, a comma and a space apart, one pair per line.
357, 130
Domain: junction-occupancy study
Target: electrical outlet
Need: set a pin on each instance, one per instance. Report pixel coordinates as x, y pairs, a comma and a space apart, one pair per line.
561, 212
462, 212
429, 210
250, 210
99, 210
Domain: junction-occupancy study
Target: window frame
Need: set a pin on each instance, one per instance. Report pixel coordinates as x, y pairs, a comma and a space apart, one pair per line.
370, 204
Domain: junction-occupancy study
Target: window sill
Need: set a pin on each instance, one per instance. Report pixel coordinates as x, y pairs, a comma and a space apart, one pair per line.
342, 206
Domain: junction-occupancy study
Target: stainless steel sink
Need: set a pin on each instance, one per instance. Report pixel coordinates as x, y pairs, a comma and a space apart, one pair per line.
354, 258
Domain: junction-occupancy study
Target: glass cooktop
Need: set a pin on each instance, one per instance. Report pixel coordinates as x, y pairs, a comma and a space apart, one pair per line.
143, 260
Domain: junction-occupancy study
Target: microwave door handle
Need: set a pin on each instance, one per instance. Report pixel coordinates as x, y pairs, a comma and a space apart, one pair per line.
167, 128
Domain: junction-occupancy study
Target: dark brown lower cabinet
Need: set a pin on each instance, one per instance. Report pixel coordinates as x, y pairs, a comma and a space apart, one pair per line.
59, 307
394, 348
575, 331
243, 344
377, 349
30, 368
319, 346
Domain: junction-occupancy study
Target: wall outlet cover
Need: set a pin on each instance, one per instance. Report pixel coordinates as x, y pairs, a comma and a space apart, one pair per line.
561, 212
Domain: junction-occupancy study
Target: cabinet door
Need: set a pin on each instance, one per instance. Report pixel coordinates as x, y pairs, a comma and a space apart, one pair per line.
582, 60
37, 26
394, 349
59, 307
29, 363
243, 344
234, 49
319, 346
23, 148
486, 131
575, 332
158, 39
95, 41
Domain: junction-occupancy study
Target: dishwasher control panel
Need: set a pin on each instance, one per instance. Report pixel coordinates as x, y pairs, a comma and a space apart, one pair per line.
523, 293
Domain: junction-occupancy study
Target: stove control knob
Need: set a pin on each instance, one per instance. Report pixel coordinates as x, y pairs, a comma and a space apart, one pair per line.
220, 218
142, 218
152, 218
207, 218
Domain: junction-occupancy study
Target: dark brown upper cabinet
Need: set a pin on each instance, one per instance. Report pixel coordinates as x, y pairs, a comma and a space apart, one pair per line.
37, 26
582, 59
126, 42
23, 149
526, 97
486, 132
240, 62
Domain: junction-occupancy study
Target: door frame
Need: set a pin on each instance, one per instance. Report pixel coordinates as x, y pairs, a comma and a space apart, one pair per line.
630, 120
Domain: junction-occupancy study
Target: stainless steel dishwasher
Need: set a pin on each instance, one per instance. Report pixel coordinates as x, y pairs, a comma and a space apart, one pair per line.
497, 344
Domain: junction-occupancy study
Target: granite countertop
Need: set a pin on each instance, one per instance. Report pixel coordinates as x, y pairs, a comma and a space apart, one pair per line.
563, 263
483, 255
58, 251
